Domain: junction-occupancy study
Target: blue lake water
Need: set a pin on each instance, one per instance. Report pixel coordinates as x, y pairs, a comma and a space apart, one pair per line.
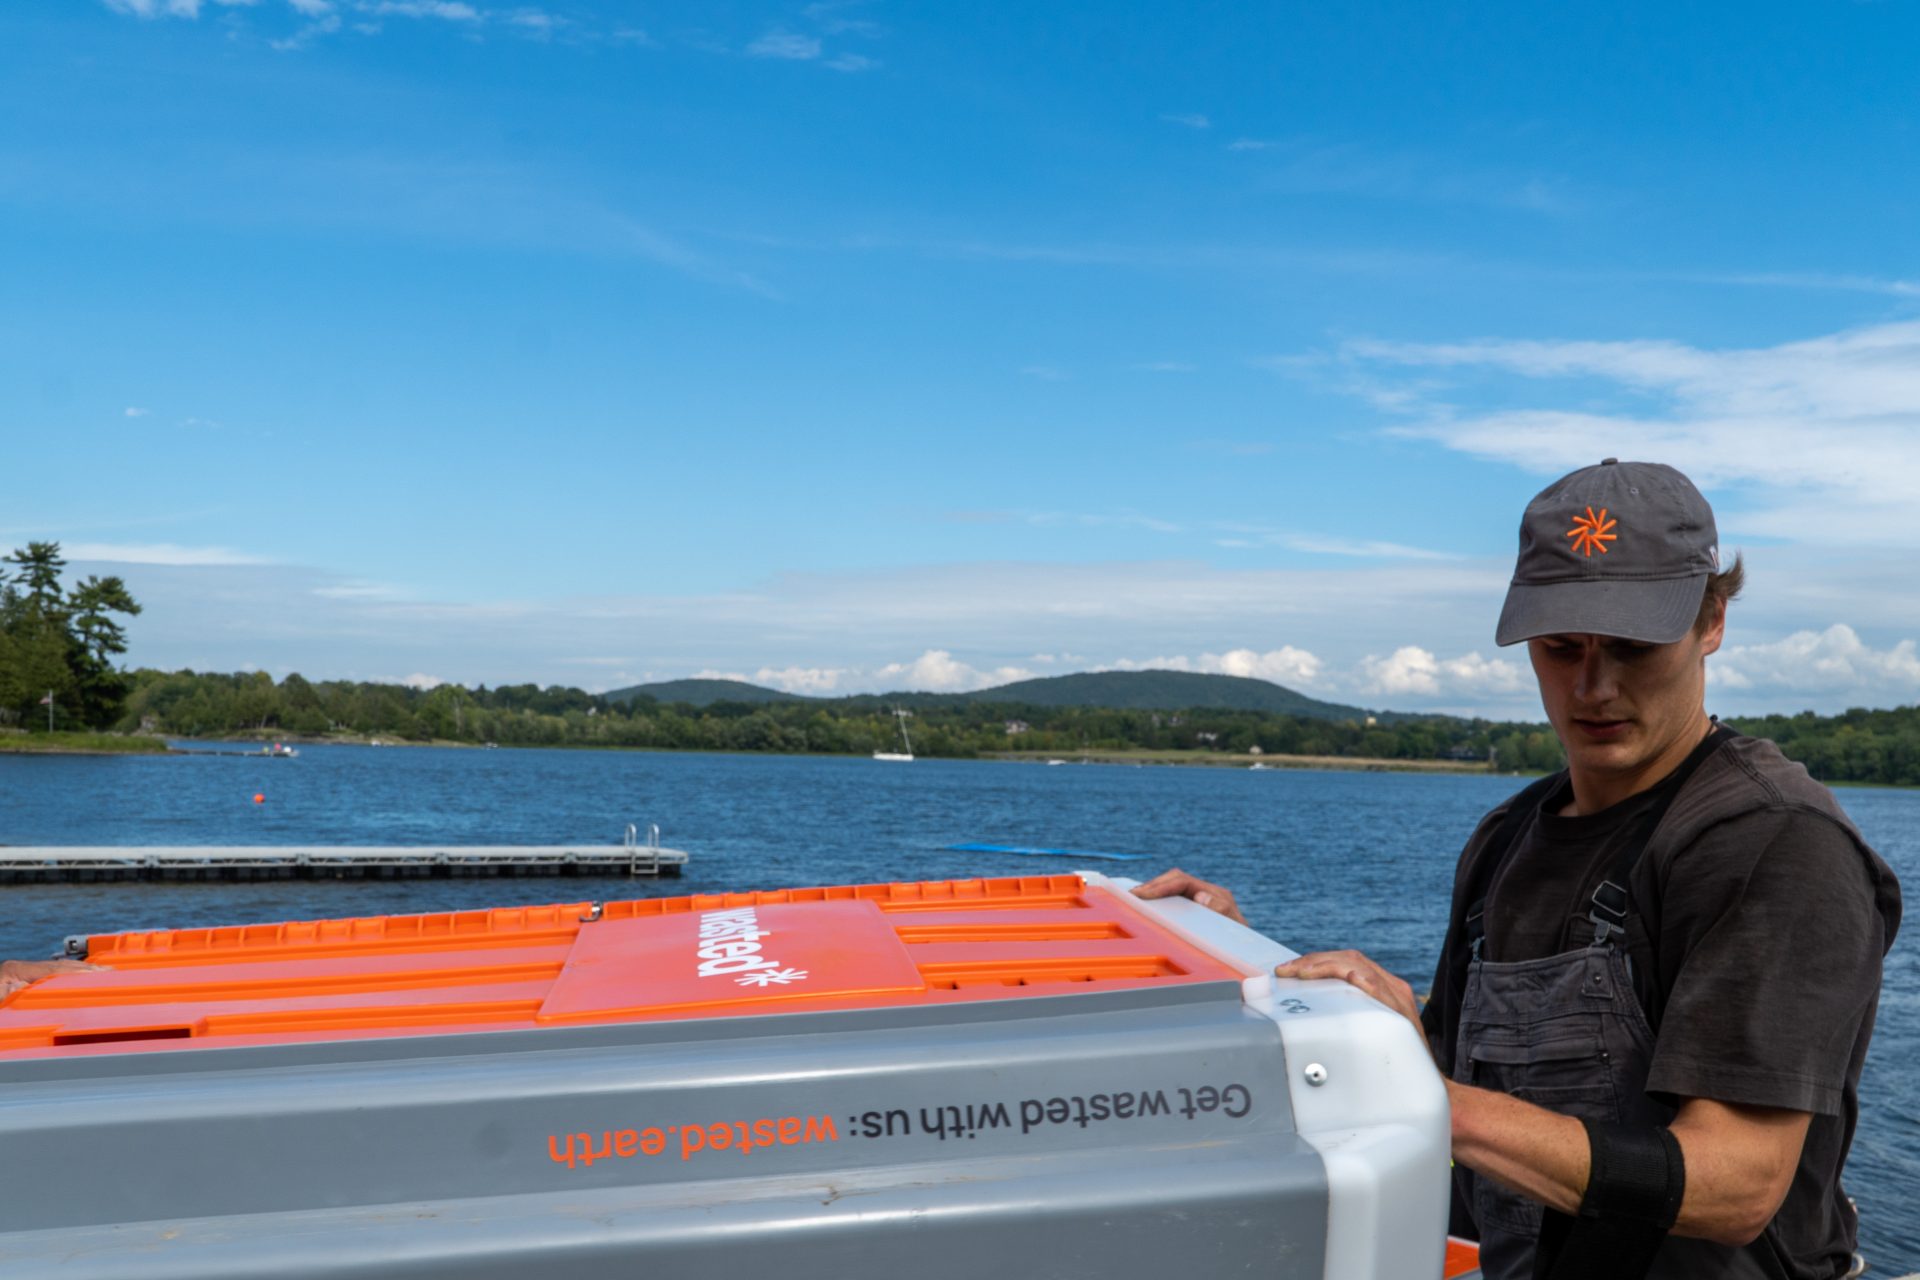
1318, 859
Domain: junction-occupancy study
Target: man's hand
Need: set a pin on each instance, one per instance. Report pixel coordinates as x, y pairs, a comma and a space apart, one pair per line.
15, 974
1178, 884
1358, 970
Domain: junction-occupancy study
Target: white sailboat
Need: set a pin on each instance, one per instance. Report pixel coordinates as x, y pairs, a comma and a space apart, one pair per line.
906, 743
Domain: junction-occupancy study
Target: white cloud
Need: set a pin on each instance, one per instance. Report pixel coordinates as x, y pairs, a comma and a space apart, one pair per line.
422, 682
1192, 120
133, 411
851, 62
785, 45
804, 680
1817, 440
156, 553
1285, 665
1046, 373
1416, 672
312, 8
938, 671
1831, 662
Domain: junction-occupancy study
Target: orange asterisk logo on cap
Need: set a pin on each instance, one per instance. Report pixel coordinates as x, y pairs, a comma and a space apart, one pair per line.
1591, 531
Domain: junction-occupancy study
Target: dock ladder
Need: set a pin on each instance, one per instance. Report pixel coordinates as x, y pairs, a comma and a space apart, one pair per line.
643, 859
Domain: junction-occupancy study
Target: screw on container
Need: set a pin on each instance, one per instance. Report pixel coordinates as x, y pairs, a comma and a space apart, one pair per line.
1316, 1074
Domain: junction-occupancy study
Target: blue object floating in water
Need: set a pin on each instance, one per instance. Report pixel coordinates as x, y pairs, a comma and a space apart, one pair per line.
1031, 851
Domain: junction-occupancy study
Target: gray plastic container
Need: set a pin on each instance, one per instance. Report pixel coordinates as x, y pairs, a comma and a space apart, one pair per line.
1218, 1128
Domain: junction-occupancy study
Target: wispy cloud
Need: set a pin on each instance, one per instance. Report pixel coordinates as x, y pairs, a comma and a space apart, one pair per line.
1316, 166
134, 411
836, 17
1818, 440
445, 10
324, 25
787, 45
1328, 545
1190, 120
1815, 280
537, 22
167, 553
1105, 520
156, 8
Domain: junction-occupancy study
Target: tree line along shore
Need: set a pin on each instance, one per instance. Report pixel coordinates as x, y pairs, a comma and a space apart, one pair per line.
1857, 746
61, 690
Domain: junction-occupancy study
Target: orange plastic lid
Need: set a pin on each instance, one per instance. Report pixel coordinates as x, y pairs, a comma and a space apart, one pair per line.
845, 947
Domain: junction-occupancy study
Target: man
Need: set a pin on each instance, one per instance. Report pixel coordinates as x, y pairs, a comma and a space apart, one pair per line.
1662, 964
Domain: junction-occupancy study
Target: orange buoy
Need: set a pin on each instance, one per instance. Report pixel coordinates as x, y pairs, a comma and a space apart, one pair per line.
259, 798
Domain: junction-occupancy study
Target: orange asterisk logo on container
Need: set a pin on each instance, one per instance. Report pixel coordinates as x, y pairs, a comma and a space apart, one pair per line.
1591, 531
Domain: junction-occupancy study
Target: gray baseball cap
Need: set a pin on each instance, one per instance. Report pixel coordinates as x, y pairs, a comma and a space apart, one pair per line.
1622, 549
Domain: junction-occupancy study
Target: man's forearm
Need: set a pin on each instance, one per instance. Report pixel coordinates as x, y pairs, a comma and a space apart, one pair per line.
1541, 1154
1740, 1160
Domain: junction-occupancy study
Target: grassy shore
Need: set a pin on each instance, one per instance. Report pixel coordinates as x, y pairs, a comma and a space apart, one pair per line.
81, 744
1235, 760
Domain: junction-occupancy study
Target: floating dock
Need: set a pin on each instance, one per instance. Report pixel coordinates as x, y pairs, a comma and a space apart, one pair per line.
68, 864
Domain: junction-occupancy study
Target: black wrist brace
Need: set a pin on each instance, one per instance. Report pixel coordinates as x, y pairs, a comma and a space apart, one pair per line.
1636, 1180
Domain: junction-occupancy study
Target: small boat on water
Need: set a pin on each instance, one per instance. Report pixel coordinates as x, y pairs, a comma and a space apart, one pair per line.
279, 751
906, 744
1035, 1075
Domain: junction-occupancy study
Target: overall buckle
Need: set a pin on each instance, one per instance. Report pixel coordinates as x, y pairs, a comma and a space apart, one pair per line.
1609, 914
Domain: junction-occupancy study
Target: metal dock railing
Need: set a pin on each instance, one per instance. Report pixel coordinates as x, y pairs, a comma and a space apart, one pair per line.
59, 863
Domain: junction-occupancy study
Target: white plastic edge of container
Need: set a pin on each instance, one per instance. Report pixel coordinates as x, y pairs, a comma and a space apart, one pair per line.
1379, 1116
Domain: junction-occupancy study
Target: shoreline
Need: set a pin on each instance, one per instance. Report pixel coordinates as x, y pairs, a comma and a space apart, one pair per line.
87, 744
1241, 760
70, 743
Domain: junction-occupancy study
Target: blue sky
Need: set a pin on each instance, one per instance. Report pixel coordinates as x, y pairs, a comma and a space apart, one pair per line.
866, 345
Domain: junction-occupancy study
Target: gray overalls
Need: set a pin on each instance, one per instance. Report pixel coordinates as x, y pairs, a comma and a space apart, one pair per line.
1567, 1033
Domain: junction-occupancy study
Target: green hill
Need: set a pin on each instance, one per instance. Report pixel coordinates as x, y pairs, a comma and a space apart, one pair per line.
1109, 690
702, 693
1165, 691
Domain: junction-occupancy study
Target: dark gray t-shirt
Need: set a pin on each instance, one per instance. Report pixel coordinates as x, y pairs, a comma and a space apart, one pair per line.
1758, 922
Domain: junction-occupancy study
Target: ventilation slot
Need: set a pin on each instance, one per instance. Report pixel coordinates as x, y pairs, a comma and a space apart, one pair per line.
1034, 972
113, 1037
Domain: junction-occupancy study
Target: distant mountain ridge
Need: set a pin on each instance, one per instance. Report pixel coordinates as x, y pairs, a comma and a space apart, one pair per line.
1154, 690
701, 693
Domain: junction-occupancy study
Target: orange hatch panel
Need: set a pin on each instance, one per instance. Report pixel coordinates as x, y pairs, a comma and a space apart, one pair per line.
1463, 1258
842, 947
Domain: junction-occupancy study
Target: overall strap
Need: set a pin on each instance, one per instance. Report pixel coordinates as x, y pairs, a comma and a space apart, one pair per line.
1520, 812
1611, 899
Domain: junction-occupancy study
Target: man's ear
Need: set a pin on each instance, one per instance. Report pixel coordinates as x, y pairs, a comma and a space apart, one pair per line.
1715, 631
